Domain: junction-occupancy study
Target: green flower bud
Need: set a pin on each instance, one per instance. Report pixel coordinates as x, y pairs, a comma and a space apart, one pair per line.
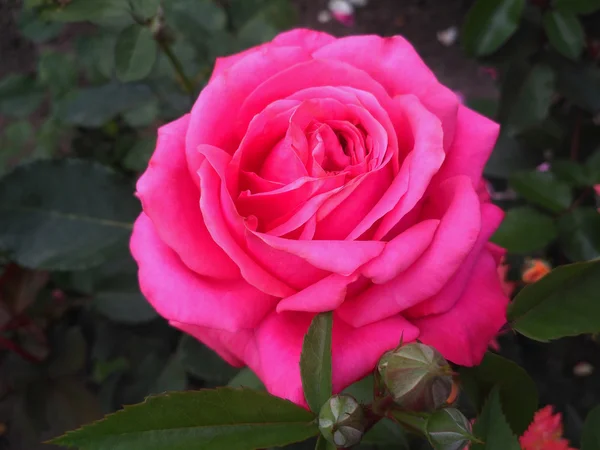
342, 421
417, 377
449, 429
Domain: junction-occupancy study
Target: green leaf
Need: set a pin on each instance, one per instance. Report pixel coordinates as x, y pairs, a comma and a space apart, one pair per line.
387, 433
525, 230
362, 390
135, 53
188, 15
565, 33
518, 392
580, 83
144, 115
484, 105
266, 22
20, 95
116, 293
489, 24
590, 438
315, 362
492, 428
138, 157
225, 418
592, 166
324, 444
246, 378
57, 71
203, 363
563, 303
64, 215
543, 189
86, 10
36, 30
533, 102
144, 9
577, 6
96, 55
580, 234
94, 106
15, 144
68, 354
508, 156
448, 429
571, 172
172, 378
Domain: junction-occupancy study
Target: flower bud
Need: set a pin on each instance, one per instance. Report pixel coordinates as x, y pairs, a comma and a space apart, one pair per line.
449, 429
417, 377
342, 421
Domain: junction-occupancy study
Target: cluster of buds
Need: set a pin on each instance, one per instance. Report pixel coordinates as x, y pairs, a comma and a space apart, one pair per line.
415, 387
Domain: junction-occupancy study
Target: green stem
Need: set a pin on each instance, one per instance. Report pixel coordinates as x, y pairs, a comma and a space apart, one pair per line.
185, 81
415, 422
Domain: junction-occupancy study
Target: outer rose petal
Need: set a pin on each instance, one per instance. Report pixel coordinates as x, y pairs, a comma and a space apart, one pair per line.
231, 346
462, 334
179, 294
309, 40
457, 205
171, 200
474, 141
421, 164
491, 216
301, 37
221, 98
355, 351
395, 64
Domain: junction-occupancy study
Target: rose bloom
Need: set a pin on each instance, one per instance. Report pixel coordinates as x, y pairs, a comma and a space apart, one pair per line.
320, 174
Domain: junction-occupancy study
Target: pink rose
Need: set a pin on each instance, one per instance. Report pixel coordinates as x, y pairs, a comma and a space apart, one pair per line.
317, 174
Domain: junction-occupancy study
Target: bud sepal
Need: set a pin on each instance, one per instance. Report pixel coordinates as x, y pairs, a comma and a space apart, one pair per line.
342, 421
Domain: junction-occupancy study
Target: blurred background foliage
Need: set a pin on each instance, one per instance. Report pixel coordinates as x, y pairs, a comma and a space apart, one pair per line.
78, 340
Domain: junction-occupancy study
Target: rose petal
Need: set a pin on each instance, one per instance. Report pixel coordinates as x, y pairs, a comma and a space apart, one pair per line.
344, 211
462, 334
309, 74
222, 219
171, 200
341, 257
307, 39
473, 143
279, 343
219, 100
179, 294
293, 270
233, 347
324, 295
423, 162
456, 204
384, 59
491, 216
401, 252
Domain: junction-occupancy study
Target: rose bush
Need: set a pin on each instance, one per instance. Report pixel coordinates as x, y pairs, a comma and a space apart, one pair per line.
317, 174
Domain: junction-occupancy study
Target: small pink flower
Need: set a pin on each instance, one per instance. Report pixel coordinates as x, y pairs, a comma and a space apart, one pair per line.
545, 432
